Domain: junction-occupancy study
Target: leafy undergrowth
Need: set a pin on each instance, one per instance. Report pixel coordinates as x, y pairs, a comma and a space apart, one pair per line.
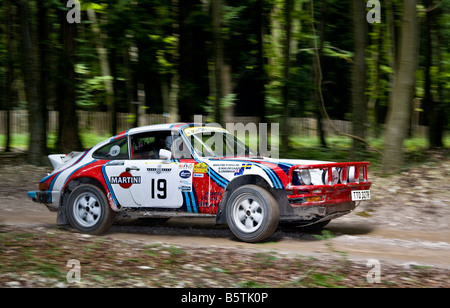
39, 257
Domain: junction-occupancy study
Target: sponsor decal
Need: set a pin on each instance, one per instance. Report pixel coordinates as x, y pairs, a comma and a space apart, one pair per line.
201, 168
227, 168
185, 174
217, 178
159, 169
203, 129
114, 151
210, 199
125, 180
240, 171
185, 166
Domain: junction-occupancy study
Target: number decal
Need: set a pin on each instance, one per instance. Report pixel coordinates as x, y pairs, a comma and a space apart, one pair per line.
160, 188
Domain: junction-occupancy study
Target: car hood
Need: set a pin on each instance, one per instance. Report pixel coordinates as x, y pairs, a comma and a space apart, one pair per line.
271, 160
317, 175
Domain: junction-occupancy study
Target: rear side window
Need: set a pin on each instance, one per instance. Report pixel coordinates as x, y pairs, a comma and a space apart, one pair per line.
117, 149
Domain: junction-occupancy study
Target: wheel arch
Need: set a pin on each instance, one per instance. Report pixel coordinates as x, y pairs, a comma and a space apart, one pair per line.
68, 188
235, 183
101, 218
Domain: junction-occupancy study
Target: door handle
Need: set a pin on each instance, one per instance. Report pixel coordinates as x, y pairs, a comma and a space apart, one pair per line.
132, 168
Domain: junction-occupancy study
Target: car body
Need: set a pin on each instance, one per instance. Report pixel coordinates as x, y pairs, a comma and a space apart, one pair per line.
188, 170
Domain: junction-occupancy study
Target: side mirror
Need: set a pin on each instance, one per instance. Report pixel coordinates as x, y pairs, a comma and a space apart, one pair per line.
165, 155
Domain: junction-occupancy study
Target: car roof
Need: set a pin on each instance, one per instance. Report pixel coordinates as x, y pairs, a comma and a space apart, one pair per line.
161, 127
155, 127
158, 127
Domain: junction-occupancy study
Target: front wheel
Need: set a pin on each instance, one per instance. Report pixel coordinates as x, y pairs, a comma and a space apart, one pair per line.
252, 213
88, 210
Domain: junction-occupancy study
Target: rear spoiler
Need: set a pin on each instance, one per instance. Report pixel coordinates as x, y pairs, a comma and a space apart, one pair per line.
58, 160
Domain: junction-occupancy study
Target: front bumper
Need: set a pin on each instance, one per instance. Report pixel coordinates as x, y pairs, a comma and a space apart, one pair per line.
313, 214
314, 203
332, 191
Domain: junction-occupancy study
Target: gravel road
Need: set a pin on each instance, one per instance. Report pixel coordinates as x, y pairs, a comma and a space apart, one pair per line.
405, 225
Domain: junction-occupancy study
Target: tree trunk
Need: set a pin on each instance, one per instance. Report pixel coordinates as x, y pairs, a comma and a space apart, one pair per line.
261, 72
432, 105
285, 130
401, 99
317, 72
106, 71
359, 99
68, 137
175, 78
36, 119
44, 56
115, 83
218, 57
9, 70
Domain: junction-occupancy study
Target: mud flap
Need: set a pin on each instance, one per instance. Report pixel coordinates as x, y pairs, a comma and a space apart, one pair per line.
61, 218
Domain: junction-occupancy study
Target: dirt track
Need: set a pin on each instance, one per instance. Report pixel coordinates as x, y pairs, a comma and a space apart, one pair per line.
405, 224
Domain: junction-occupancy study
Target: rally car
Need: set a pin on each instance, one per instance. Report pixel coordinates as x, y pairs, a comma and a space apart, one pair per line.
196, 170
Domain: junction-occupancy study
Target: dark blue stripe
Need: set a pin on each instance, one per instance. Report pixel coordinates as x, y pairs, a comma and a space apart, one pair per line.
50, 188
188, 202
221, 181
108, 184
78, 169
194, 204
270, 173
273, 176
285, 167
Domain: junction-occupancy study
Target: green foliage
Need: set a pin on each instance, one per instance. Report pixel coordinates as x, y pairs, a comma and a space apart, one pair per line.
90, 89
152, 43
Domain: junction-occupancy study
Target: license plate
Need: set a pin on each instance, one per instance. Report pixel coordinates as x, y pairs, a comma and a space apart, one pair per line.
359, 195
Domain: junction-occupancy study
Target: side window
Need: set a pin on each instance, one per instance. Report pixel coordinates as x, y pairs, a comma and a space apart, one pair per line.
147, 145
117, 149
179, 148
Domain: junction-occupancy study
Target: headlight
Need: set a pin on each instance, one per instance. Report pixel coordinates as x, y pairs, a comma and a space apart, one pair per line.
335, 176
350, 175
304, 177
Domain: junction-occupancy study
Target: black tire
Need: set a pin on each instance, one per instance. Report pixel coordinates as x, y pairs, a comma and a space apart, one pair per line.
252, 213
88, 210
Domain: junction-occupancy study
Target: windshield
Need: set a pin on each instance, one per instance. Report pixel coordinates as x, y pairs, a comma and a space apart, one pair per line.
218, 143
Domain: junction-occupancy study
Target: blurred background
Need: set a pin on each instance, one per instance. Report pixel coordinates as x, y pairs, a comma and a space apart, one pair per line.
366, 80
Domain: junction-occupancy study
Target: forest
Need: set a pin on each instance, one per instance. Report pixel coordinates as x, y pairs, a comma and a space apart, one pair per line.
373, 63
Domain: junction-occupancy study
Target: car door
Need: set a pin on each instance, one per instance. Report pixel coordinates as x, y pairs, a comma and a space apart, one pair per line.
160, 189
145, 180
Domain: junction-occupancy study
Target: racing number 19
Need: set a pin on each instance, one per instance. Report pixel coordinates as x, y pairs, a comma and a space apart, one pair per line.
161, 187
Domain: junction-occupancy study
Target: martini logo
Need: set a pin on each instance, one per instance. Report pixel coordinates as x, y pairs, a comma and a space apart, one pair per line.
125, 180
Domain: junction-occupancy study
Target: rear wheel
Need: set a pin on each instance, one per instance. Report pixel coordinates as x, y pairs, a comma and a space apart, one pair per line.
252, 213
88, 210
